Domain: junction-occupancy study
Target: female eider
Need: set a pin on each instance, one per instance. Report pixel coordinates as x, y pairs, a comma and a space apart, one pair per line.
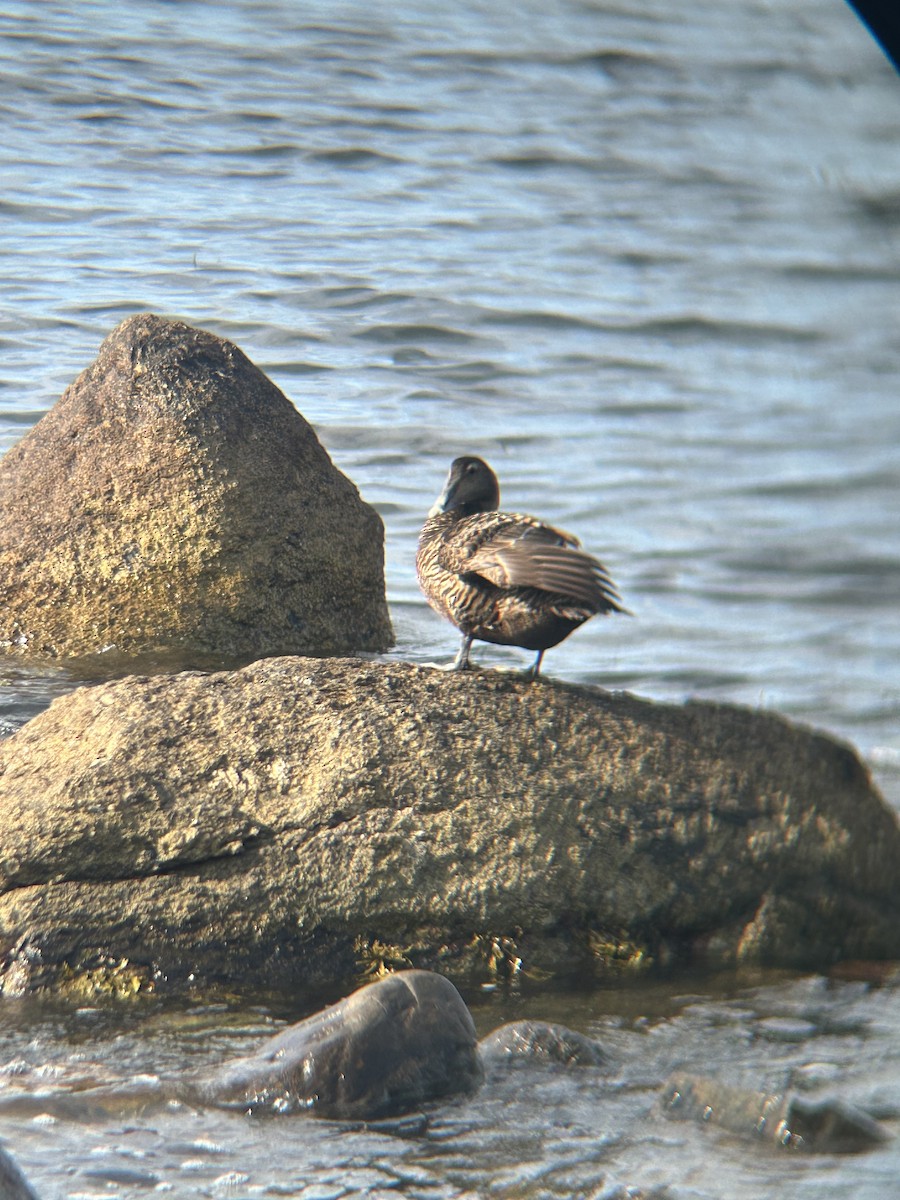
504, 577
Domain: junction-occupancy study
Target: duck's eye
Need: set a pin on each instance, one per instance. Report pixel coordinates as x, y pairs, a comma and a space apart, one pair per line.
471, 469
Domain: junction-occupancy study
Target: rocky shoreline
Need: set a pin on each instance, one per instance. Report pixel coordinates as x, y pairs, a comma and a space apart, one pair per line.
391, 1055
303, 820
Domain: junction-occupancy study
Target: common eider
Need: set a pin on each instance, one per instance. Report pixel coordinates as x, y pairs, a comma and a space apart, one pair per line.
504, 577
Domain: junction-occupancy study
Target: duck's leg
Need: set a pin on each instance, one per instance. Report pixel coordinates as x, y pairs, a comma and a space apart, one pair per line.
461, 662
535, 669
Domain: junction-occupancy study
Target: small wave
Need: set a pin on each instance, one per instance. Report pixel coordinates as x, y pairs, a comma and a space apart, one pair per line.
883, 207
822, 487
115, 312
618, 62
475, 372
548, 161
643, 408
267, 150
842, 272
686, 327
38, 214
695, 327
24, 416
101, 117
414, 333
358, 296
538, 319
254, 118
344, 35
352, 156
612, 62
412, 356
294, 368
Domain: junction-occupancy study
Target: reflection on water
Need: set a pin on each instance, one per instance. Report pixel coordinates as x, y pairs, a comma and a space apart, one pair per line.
645, 261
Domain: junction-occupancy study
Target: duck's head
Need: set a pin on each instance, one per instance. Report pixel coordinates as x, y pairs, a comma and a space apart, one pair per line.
471, 487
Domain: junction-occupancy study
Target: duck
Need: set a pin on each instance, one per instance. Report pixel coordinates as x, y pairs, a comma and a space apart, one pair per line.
505, 577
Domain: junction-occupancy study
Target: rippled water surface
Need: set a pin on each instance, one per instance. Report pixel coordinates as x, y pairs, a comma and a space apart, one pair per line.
645, 259
530, 1133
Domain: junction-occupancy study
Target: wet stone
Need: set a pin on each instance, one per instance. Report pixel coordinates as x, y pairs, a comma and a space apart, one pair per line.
828, 1125
541, 1042
385, 1050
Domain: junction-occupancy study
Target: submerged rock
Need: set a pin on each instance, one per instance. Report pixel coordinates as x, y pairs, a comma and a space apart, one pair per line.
13, 1184
541, 1042
272, 823
826, 1126
384, 1051
174, 499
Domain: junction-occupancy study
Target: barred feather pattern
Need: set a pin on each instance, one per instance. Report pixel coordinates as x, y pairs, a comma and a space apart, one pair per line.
510, 579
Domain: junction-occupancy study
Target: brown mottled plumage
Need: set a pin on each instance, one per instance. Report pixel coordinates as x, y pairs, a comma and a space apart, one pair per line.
505, 577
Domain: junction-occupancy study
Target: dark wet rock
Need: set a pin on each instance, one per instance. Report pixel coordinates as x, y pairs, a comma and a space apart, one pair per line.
175, 500
281, 823
13, 1184
540, 1042
386, 1050
783, 1119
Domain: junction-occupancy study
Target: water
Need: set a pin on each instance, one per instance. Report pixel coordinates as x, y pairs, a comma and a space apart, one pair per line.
644, 259
553, 1134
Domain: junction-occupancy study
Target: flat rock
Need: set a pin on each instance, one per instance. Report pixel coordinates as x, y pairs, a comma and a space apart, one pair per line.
300, 820
386, 1050
175, 500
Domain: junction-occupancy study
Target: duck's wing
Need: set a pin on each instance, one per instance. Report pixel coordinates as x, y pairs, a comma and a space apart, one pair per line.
538, 556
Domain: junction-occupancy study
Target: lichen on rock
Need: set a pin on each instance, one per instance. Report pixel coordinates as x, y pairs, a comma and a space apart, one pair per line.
276, 821
174, 498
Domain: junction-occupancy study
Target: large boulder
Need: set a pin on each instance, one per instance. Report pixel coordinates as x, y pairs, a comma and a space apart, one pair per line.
174, 499
298, 818
386, 1050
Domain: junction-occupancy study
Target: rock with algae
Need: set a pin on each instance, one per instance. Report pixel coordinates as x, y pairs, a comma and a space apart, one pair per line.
174, 500
261, 824
783, 1119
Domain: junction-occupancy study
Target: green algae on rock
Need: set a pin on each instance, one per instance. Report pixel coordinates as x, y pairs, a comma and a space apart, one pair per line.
174, 498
